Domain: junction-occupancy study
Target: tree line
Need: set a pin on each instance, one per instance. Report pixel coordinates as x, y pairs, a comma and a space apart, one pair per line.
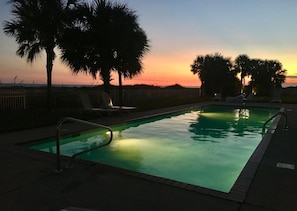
96, 38
100, 37
219, 74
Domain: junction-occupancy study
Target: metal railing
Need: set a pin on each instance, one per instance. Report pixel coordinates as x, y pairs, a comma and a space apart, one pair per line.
58, 133
12, 99
271, 118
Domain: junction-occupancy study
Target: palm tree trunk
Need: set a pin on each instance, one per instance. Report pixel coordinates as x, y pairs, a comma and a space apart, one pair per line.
49, 68
242, 86
105, 75
120, 89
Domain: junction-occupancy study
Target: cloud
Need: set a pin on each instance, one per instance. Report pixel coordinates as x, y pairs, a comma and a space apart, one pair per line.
291, 76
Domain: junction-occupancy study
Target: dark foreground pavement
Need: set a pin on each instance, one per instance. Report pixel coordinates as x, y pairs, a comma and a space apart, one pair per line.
28, 181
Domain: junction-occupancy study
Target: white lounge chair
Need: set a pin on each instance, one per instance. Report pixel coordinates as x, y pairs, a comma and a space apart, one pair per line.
106, 106
85, 100
107, 103
250, 97
238, 98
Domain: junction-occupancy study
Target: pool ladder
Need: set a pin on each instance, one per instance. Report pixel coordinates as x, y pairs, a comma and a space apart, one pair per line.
58, 134
282, 113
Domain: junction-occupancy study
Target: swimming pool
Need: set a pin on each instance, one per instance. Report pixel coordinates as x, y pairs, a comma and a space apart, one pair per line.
206, 147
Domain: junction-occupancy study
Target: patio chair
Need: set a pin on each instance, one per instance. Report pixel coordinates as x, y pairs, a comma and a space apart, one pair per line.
238, 98
107, 103
85, 100
250, 97
106, 107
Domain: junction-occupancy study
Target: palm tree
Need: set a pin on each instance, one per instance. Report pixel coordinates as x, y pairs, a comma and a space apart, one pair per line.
215, 73
37, 26
132, 44
266, 75
243, 66
110, 40
278, 74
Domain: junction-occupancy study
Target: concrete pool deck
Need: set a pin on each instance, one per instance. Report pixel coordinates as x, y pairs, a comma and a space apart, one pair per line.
28, 180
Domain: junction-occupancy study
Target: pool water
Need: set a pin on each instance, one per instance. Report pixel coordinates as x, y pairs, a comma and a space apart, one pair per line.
207, 147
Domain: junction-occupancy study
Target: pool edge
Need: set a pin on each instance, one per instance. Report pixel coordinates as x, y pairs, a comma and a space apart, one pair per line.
241, 186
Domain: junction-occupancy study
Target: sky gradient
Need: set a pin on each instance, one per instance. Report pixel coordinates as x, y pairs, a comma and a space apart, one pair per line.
179, 31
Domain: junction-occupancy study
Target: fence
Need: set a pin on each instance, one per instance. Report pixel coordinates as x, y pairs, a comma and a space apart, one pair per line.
138, 95
12, 100
36, 98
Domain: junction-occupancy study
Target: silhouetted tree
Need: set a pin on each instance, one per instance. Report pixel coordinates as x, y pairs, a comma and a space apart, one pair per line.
266, 75
242, 66
107, 37
132, 44
36, 26
216, 74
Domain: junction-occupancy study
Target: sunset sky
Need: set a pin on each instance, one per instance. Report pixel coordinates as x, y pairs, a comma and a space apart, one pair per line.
179, 31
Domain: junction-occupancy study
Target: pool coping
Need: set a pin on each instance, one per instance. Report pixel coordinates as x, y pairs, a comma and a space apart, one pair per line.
241, 186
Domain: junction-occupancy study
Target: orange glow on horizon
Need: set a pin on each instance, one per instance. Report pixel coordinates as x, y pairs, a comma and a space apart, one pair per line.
291, 81
165, 71
158, 70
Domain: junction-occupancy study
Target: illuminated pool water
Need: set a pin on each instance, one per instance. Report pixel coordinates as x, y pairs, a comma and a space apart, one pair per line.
207, 147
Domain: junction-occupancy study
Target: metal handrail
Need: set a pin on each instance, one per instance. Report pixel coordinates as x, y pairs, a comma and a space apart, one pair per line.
275, 115
58, 129
88, 150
